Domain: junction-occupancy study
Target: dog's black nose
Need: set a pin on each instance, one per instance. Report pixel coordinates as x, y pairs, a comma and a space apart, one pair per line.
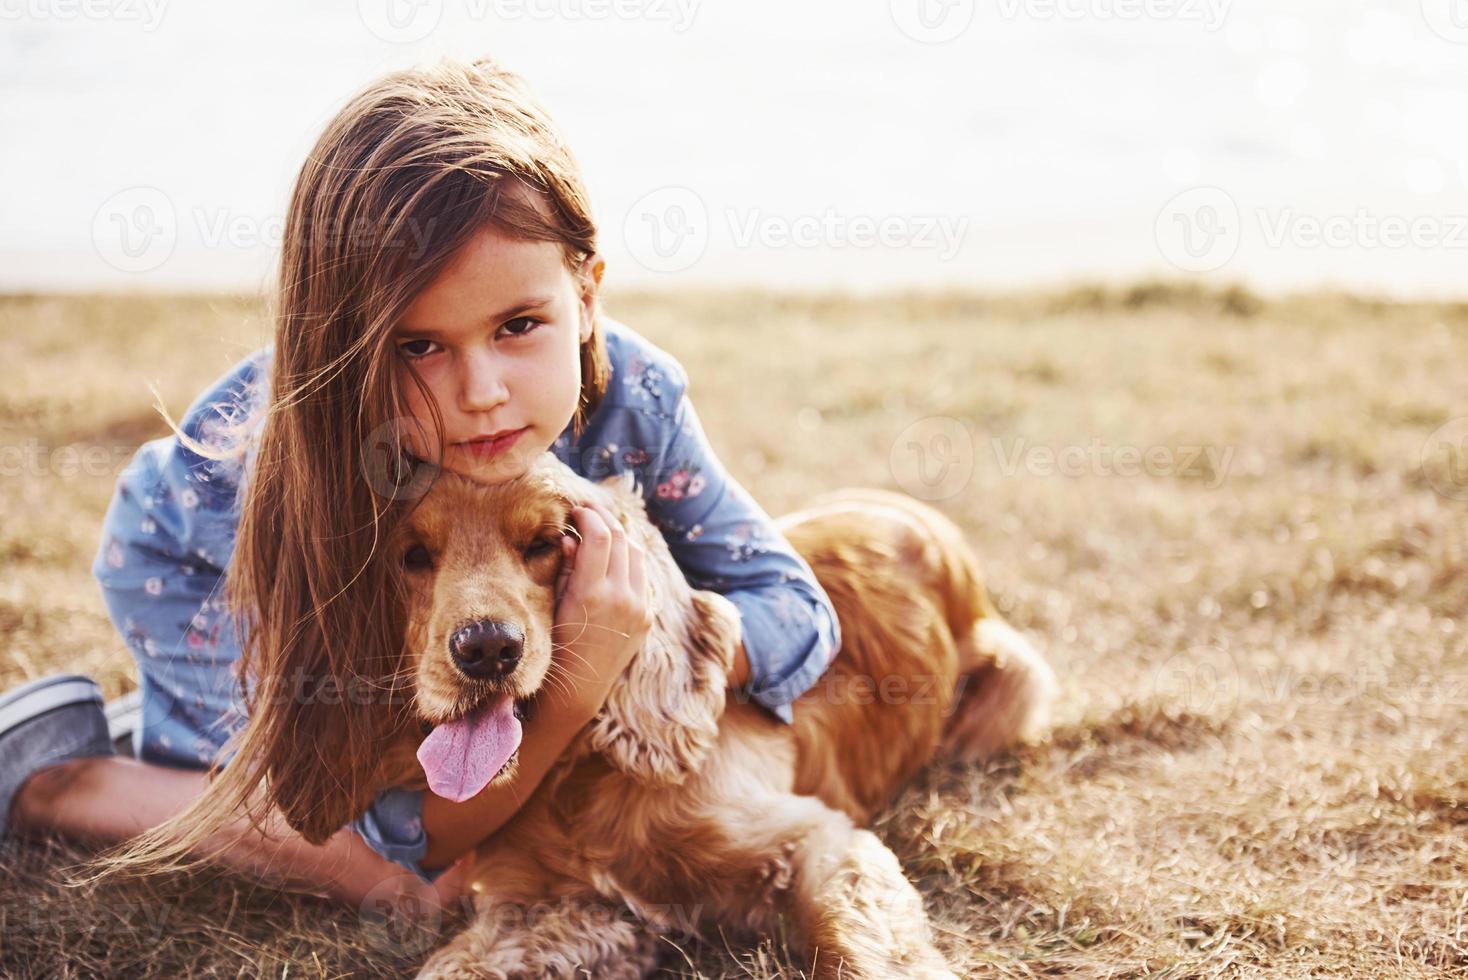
487, 650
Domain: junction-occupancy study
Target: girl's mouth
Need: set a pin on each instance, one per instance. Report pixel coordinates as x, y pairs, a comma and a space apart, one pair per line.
486, 448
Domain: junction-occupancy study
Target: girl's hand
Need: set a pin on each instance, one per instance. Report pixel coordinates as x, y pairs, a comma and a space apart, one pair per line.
602, 614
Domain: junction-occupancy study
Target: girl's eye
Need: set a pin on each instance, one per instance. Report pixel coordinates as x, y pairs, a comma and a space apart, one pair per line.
415, 349
417, 559
540, 546
407, 349
532, 325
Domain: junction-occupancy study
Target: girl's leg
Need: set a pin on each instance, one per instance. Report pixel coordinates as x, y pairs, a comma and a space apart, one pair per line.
107, 799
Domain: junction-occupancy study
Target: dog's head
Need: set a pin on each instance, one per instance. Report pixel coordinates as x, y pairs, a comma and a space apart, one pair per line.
481, 564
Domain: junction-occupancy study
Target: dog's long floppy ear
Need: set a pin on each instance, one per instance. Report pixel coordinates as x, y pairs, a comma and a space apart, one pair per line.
662, 716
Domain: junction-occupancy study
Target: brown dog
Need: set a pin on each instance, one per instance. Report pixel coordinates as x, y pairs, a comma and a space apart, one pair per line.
686, 811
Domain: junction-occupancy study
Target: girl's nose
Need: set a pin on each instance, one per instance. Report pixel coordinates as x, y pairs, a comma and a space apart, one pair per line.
482, 383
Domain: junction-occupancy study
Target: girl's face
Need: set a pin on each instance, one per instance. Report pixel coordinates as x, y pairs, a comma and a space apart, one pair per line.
496, 337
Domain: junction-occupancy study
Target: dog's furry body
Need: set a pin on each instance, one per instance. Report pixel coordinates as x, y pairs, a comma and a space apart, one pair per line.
695, 813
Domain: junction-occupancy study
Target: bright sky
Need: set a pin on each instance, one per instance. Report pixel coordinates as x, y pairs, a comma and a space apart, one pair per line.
891, 143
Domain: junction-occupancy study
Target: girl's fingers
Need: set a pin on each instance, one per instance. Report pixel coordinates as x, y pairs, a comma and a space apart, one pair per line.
622, 564
616, 541
637, 573
593, 552
607, 516
617, 559
568, 565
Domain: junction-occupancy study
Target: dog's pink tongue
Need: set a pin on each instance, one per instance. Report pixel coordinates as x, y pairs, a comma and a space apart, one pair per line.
461, 757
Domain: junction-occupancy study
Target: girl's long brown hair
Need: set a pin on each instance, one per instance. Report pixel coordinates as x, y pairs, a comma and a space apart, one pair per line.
404, 174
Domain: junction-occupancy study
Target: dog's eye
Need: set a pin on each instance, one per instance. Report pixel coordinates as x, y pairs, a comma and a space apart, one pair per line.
417, 558
540, 546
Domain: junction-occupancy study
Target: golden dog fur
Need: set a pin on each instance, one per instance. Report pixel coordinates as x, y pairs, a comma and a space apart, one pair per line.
686, 810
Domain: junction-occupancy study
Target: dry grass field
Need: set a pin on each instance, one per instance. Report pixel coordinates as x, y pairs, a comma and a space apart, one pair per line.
1236, 527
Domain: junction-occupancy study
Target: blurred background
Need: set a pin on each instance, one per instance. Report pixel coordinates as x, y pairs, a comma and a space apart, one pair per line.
1286, 144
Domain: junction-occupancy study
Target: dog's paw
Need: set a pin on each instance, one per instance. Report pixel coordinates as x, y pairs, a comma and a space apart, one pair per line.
777, 876
468, 955
451, 964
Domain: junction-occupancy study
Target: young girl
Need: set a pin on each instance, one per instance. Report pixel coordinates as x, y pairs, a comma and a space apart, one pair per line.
437, 308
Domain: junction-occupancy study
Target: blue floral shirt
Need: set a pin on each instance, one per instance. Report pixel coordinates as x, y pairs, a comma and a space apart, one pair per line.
170, 529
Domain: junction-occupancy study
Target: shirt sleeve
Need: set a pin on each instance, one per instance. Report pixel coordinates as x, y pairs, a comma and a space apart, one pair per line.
725, 542
167, 538
393, 827
165, 541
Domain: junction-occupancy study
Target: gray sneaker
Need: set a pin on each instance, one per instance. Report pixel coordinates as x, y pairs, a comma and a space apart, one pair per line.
46, 722
124, 716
